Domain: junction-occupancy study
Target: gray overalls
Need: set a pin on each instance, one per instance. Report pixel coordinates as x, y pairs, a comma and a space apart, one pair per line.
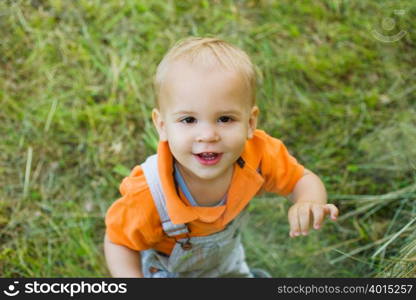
217, 255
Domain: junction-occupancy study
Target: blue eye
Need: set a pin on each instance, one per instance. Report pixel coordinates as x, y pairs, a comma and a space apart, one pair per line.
188, 120
225, 119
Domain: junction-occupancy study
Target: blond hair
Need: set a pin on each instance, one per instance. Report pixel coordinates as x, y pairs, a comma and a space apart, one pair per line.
205, 50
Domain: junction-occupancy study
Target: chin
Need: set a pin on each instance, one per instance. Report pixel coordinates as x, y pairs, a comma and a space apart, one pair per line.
207, 175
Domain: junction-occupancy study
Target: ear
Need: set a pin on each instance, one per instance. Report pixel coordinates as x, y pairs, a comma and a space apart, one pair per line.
159, 124
252, 122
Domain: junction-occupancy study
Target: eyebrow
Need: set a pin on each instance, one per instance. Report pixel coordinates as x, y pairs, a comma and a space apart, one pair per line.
230, 112
225, 112
184, 112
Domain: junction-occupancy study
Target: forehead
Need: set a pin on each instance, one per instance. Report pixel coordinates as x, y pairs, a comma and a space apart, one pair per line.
198, 82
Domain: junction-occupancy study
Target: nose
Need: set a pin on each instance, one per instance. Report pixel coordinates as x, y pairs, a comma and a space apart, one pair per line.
207, 134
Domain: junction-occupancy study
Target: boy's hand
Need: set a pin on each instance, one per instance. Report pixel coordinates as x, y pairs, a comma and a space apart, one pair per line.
304, 214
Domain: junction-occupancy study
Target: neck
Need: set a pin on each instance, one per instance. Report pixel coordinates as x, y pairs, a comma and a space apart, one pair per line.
208, 191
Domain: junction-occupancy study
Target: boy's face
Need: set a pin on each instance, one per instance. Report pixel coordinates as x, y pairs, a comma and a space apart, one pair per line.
206, 116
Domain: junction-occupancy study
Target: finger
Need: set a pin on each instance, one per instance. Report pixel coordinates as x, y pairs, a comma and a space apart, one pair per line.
293, 222
331, 210
318, 216
304, 218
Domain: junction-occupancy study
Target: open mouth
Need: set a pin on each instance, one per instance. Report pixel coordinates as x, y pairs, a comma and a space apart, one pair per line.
208, 158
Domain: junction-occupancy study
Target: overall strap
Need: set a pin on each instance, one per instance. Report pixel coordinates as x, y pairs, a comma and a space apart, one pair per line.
151, 173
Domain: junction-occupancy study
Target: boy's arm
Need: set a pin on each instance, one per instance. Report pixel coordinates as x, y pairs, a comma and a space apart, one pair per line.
309, 188
122, 261
310, 205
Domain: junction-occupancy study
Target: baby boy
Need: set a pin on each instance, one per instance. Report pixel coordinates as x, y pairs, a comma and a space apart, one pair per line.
181, 211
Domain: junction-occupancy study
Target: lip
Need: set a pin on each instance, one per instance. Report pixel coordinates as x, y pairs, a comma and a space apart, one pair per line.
208, 162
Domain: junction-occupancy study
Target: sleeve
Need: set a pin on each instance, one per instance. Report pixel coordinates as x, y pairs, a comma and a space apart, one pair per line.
130, 221
123, 228
280, 169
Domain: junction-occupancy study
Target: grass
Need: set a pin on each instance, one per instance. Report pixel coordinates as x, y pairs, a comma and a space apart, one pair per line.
75, 97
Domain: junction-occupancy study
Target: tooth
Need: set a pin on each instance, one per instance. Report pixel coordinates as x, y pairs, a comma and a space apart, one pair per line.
208, 155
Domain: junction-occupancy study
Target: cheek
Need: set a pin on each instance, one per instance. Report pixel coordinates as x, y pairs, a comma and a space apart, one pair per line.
173, 131
178, 137
235, 140
239, 132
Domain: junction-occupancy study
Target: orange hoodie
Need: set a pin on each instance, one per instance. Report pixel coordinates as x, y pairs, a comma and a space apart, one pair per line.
133, 220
